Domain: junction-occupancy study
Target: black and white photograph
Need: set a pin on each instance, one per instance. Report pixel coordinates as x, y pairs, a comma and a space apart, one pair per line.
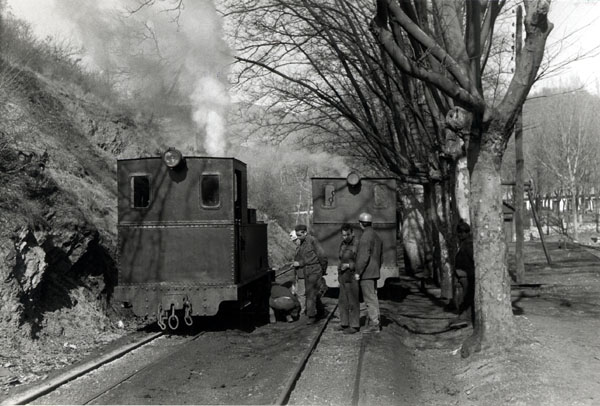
300, 202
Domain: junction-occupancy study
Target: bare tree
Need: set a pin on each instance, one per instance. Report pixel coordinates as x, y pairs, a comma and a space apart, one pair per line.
320, 78
455, 39
565, 143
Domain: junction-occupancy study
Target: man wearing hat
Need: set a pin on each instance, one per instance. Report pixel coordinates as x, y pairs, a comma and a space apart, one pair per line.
310, 262
367, 269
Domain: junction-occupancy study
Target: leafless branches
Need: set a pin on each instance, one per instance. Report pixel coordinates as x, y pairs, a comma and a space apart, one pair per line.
316, 70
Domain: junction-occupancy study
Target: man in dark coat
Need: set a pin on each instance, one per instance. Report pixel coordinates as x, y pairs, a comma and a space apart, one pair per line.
310, 262
464, 276
348, 302
368, 265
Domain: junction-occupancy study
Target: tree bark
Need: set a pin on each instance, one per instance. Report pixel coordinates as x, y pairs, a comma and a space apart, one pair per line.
519, 167
574, 216
444, 194
462, 190
413, 234
493, 324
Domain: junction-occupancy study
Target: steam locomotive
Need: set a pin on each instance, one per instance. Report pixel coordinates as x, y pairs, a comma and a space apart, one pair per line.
340, 200
188, 243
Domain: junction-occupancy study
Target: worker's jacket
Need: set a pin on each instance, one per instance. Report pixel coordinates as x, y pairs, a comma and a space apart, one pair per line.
347, 256
311, 257
369, 255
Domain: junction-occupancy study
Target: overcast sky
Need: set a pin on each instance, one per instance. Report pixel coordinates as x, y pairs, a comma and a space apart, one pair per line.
568, 16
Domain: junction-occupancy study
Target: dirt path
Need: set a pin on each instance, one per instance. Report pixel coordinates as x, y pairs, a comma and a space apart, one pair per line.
556, 361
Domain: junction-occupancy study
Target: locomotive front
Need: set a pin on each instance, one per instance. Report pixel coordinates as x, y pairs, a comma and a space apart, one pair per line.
187, 240
340, 200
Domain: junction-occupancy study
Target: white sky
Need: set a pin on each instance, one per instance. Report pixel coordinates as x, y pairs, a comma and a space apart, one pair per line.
568, 16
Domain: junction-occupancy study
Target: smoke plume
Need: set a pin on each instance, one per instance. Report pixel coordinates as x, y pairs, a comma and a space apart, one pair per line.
167, 60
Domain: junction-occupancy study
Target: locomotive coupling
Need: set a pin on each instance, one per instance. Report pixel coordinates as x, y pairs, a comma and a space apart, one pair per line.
167, 312
173, 320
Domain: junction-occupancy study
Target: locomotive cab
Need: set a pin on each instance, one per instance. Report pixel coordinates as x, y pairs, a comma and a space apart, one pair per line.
187, 240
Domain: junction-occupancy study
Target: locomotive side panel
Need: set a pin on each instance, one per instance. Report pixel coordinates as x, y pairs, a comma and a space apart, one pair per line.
335, 202
253, 252
198, 254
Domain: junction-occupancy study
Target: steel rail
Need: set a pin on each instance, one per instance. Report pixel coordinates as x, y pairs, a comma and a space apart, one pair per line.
179, 349
291, 382
53, 383
356, 389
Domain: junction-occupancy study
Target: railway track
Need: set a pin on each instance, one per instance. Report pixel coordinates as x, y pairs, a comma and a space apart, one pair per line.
293, 379
284, 397
297, 373
106, 385
86, 368
77, 372
106, 390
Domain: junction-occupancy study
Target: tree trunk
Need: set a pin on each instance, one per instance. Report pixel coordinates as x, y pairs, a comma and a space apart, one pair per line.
596, 191
430, 227
445, 193
493, 324
413, 235
462, 189
574, 216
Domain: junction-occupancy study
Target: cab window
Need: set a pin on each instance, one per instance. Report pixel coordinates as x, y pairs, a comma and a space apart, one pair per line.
380, 196
209, 191
329, 196
140, 191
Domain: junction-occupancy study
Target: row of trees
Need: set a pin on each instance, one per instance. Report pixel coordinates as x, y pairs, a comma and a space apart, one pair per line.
564, 145
401, 86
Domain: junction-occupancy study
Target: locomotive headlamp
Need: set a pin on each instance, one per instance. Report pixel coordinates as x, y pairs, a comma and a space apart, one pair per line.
172, 158
353, 179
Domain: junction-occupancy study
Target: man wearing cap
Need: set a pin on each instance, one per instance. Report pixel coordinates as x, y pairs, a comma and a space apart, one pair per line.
348, 303
367, 269
310, 262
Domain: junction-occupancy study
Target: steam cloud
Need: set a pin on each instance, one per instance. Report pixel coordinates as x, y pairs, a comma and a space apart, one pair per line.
159, 62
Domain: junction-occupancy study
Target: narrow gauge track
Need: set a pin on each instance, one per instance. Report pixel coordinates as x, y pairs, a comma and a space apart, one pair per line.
293, 379
85, 369
88, 367
180, 348
291, 382
290, 385
77, 372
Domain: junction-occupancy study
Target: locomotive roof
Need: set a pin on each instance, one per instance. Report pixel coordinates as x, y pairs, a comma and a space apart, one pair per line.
185, 157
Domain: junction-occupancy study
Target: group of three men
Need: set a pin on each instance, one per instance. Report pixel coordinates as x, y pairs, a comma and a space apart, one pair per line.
358, 270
